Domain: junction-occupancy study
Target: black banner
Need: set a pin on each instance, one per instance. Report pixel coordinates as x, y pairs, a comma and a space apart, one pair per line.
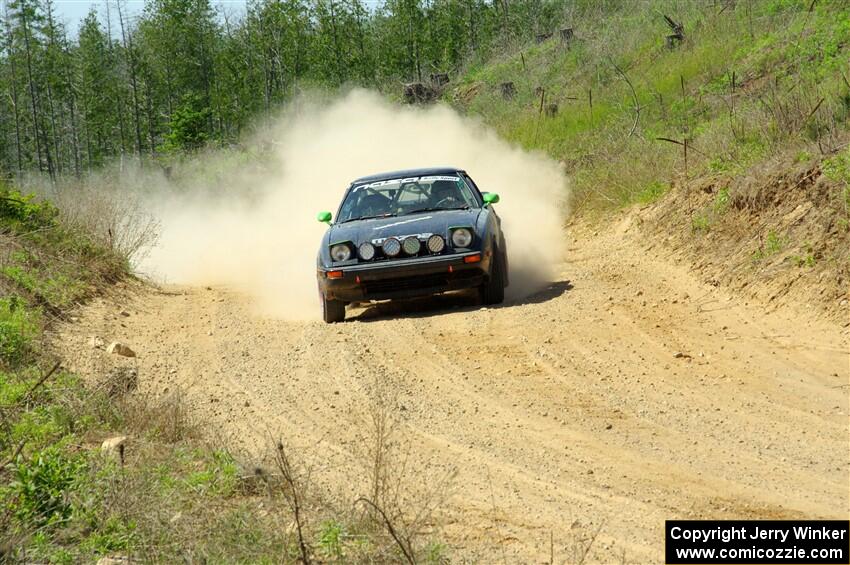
763, 542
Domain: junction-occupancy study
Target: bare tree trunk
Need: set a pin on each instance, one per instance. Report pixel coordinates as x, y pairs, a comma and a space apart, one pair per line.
336, 43
75, 134
87, 134
119, 105
14, 82
54, 168
151, 120
127, 42
32, 89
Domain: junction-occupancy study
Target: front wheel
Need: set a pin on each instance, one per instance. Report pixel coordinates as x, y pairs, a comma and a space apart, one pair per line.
332, 310
493, 291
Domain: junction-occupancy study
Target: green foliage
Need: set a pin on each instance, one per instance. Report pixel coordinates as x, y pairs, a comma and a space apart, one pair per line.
53, 265
837, 168
39, 491
436, 553
219, 475
700, 222
740, 87
807, 259
331, 534
18, 329
112, 535
189, 125
721, 201
652, 192
59, 289
771, 245
24, 213
803, 157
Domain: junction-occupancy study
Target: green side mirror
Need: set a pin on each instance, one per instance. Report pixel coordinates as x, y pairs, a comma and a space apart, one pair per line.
490, 198
324, 217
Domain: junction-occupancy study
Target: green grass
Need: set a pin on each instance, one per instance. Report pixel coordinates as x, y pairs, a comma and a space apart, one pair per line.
721, 201
652, 192
783, 58
19, 327
700, 223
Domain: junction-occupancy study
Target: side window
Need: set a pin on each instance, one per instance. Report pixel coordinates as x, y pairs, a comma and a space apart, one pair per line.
350, 204
470, 190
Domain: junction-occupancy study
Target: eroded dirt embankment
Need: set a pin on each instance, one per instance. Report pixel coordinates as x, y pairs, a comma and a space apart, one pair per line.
778, 235
628, 392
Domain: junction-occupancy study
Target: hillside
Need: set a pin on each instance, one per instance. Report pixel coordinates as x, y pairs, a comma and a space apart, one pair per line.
759, 94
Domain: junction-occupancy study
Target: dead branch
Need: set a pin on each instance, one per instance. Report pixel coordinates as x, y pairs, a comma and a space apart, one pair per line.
677, 142
637, 107
291, 494
815, 109
10, 199
404, 547
28, 396
13, 456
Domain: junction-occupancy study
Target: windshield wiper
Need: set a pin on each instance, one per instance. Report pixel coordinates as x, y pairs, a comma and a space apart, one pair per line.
435, 209
367, 218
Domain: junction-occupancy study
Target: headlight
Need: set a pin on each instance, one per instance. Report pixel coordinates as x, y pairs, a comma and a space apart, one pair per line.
366, 250
340, 252
436, 243
411, 245
391, 247
461, 237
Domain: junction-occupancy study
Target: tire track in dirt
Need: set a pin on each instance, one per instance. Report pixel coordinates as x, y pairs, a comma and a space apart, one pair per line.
612, 399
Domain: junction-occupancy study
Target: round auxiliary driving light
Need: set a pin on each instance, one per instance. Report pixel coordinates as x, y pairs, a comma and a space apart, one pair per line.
340, 252
391, 247
367, 251
411, 245
461, 237
436, 243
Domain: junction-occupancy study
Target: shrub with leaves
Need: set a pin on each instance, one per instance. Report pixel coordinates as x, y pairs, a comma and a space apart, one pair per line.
41, 485
24, 213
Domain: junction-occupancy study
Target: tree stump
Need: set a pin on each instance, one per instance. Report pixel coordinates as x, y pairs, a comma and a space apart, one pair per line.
508, 90
418, 93
538, 90
678, 34
674, 40
551, 110
566, 36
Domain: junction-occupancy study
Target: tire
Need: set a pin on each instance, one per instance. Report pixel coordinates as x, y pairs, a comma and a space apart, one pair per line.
493, 291
332, 310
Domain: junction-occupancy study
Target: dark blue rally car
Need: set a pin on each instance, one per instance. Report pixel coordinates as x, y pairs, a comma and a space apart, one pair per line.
411, 233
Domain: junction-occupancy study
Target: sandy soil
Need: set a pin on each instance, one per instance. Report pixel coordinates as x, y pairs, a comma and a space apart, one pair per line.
627, 393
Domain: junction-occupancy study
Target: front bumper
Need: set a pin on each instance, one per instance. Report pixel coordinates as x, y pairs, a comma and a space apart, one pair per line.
405, 278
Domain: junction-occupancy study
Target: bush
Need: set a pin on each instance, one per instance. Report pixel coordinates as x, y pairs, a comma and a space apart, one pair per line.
38, 494
23, 213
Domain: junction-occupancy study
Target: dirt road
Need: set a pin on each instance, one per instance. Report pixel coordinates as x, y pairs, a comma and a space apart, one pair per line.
625, 394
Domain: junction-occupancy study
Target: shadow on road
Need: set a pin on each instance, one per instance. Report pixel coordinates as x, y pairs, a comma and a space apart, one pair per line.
463, 301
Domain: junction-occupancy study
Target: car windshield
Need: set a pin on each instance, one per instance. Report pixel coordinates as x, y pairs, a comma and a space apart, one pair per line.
398, 197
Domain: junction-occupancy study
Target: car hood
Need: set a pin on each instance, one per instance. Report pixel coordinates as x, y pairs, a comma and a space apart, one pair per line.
437, 222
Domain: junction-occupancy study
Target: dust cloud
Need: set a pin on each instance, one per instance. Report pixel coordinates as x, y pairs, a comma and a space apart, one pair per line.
255, 228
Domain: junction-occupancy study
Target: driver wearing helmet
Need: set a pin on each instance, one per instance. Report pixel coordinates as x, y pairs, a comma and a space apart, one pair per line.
444, 194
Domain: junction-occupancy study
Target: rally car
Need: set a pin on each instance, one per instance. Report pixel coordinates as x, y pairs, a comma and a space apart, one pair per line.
411, 233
